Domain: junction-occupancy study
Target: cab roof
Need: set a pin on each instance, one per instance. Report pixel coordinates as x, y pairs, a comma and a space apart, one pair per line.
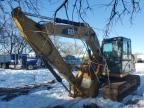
116, 38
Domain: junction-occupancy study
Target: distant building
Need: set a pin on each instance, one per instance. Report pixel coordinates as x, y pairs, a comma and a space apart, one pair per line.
139, 58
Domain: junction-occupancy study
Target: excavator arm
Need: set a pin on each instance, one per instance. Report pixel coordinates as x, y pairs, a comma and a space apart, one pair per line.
85, 84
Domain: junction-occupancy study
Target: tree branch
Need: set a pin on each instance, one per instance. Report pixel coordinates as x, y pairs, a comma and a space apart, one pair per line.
61, 6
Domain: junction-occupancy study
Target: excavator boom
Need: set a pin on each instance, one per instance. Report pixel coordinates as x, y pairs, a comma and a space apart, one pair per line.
37, 35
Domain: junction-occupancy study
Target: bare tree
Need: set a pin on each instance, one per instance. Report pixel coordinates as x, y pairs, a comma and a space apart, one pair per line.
118, 9
71, 48
6, 5
11, 42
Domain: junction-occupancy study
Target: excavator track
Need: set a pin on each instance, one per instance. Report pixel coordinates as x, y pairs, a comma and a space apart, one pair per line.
118, 90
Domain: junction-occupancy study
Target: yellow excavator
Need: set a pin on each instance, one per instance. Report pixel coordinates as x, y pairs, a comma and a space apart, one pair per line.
108, 67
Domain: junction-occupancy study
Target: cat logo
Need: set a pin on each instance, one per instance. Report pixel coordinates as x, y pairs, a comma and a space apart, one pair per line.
69, 31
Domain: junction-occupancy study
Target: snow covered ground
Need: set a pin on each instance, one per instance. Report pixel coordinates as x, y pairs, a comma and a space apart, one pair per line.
57, 96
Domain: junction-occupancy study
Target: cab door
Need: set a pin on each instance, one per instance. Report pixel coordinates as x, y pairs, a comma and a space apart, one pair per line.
127, 63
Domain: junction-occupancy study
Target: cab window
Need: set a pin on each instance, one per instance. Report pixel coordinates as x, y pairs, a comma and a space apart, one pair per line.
111, 49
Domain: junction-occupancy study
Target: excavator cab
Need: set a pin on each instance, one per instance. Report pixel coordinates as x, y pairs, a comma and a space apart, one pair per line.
118, 55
